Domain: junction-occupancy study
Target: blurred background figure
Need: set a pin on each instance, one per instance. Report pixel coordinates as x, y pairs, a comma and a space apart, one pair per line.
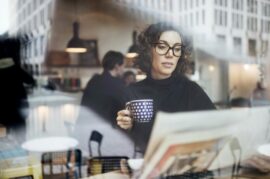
260, 92
129, 77
104, 93
13, 104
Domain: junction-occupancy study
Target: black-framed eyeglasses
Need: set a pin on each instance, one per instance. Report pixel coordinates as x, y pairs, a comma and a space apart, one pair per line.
163, 48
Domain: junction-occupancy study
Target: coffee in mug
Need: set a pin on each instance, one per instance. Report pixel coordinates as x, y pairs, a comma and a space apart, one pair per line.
141, 110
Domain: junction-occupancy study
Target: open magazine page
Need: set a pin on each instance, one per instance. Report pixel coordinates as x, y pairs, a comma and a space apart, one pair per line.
186, 152
167, 123
172, 146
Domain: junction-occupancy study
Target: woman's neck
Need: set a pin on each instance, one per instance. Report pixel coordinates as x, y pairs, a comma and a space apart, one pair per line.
159, 77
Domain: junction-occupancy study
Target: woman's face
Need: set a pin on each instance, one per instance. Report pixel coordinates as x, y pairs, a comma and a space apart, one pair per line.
165, 54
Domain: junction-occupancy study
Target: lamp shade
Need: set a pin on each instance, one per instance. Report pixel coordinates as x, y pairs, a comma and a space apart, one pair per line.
132, 51
75, 44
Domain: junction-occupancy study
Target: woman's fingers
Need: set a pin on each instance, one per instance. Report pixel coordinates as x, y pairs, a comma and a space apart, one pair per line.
123, 113
123, 119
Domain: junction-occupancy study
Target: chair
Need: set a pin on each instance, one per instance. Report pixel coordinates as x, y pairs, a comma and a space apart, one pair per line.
103, 164
56, 164
95, 137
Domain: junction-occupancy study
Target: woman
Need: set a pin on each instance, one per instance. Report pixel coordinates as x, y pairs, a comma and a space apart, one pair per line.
163, 53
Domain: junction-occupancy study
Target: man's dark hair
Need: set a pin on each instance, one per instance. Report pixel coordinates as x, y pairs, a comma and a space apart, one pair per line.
151, 35
112, 58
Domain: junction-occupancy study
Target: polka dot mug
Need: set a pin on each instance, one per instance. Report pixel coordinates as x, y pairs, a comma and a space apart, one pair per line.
141, 110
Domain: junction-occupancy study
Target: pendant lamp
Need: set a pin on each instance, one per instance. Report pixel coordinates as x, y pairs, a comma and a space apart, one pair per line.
75, 44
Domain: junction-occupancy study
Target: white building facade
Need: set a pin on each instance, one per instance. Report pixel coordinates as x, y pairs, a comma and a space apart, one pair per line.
33, 20
229, 31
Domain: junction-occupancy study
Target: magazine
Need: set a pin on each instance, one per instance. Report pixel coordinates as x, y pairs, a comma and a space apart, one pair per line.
186, 152
173, 145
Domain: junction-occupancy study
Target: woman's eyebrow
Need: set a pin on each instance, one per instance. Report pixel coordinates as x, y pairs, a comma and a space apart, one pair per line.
163, 41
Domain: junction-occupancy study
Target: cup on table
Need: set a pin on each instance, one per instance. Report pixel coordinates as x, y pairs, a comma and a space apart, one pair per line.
141, 110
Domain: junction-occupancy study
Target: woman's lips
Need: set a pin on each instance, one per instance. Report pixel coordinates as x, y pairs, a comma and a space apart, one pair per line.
167, 64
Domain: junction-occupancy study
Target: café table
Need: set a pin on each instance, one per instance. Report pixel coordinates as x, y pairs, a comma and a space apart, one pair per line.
50, 144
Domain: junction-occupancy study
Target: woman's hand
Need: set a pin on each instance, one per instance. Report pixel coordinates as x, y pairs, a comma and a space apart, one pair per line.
124, 119
259, 162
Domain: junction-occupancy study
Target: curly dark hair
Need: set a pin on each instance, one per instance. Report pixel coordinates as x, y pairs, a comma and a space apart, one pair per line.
151, 35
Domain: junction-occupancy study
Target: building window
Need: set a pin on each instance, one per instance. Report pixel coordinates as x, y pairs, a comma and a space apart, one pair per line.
35, 22
265, 26
191, 19
237, 4
252, 24
42, 17
29, 9
163, 5
197, 3
237, 45
237, 21
264, 9
203, 16
221, 3
170, 5
197, 18
186, 19
264, 48
24, 13
268, 10
224, 18
252, 47
252, 6
191, 4
220, 18
225, 3
35, 46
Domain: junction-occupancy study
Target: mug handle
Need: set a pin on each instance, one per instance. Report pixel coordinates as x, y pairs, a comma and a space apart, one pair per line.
128, 106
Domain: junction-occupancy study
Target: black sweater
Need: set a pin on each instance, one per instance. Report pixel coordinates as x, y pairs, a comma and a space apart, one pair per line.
174, 94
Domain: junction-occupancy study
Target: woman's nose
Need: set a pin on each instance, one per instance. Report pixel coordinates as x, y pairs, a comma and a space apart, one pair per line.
170, 53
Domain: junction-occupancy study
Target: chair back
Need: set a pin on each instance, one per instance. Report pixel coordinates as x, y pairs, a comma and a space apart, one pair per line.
95, 137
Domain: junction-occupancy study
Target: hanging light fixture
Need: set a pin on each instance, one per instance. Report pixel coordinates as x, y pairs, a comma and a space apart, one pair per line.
133, 49
75, 44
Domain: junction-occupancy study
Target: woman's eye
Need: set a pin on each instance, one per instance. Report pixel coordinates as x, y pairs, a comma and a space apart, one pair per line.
177, 49
161, 46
